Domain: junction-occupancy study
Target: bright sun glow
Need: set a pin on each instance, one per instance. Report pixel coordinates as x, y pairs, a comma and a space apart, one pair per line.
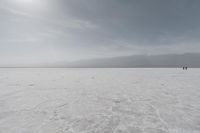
27, 1
30, 4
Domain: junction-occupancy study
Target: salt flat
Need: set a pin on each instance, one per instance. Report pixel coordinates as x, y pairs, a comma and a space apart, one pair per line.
41, 100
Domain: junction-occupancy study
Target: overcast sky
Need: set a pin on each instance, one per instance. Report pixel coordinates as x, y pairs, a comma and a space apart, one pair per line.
40, 31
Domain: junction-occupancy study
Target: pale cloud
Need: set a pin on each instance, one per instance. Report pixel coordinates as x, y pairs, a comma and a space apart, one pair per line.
14, 11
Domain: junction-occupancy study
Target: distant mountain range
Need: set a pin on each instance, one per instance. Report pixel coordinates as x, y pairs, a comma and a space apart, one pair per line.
133, 61
138, 61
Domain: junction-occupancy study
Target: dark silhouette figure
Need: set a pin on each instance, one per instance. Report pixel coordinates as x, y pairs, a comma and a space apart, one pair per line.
185, 68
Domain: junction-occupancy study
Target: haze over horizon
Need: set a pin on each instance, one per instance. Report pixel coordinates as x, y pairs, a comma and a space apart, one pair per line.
49, 31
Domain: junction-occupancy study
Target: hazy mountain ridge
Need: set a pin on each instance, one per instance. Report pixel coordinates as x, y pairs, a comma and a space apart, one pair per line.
145, 61
133, 61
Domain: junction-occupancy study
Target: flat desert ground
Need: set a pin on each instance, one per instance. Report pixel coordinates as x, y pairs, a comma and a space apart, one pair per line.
97, 100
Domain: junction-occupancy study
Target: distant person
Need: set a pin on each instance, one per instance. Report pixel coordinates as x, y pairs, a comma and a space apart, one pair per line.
185, 68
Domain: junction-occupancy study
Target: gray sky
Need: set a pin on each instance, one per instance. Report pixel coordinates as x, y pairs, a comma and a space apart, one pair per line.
40, 31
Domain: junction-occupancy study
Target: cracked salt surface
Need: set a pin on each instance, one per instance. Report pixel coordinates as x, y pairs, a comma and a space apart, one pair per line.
99, 101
